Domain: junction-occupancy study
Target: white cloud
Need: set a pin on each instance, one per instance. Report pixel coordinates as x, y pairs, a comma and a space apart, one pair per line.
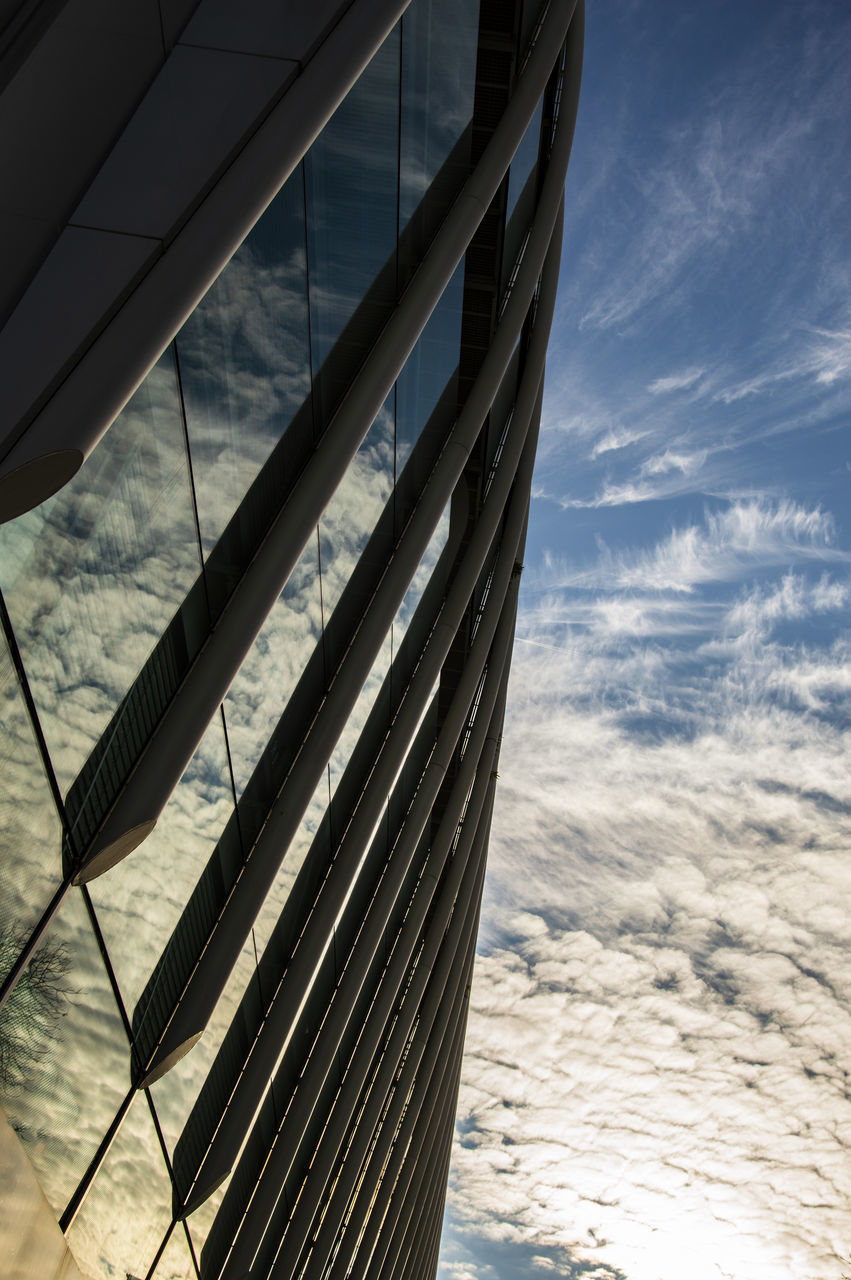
676, 381
666, 1074
708, 181
618, 438
739, 538
687, 464
819, 355
654, 1082
759, 610
830, 359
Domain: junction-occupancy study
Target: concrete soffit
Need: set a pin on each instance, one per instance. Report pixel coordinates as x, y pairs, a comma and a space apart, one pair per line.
228, 116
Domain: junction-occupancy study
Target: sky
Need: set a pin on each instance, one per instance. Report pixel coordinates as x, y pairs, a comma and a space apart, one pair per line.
656, 1079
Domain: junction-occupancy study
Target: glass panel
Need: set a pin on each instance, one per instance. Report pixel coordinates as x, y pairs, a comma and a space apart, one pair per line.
351, 515
127, 1209
366, 698
244, 360
430, 368
175, 1092
296, 854
356, 721
176, 1261
280, 915
439, 44
525, 159
69, 1073
263, 745
30, 833
201, 1221
93, 575
174, 856
421, 578
271, 670
351, 184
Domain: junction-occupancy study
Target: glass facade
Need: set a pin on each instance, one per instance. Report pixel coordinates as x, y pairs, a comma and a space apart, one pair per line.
30, 828
241, 918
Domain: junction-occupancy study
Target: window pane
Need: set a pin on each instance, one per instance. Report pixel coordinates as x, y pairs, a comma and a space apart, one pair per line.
421, 579
106, 1238
30, 833
68, 1066
176, 1091
170, 863
351, 182
352, 513
271, 670
439, 41
92, 577
176, 1261
360, 711
244, 360
430, 369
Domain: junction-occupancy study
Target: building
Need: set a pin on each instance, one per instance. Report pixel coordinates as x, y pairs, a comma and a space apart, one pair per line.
276, 298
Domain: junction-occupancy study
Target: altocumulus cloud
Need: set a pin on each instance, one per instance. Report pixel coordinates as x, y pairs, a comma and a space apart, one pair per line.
656, 1076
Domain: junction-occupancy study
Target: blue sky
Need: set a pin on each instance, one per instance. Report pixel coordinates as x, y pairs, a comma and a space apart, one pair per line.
655, 1083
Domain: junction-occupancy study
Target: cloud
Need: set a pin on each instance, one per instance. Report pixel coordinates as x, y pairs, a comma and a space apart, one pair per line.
659, 476
733, 540
618, 438
654, 1066
676, 381
822, 356
830, 359
663, 463
662, 477
758, 611
707, 183
629, 444
654, 1082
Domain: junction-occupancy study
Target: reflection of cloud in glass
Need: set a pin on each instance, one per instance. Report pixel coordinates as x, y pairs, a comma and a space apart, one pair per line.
92, 576
175, 1093
671, 1028
143, 896
64, 1105
274, 960
176, 1262
367, 696
284, 651
353, 512
438, 77
244, 371
290, 638
270, 672
351, 192
244, 361
29, 823
108, 1237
